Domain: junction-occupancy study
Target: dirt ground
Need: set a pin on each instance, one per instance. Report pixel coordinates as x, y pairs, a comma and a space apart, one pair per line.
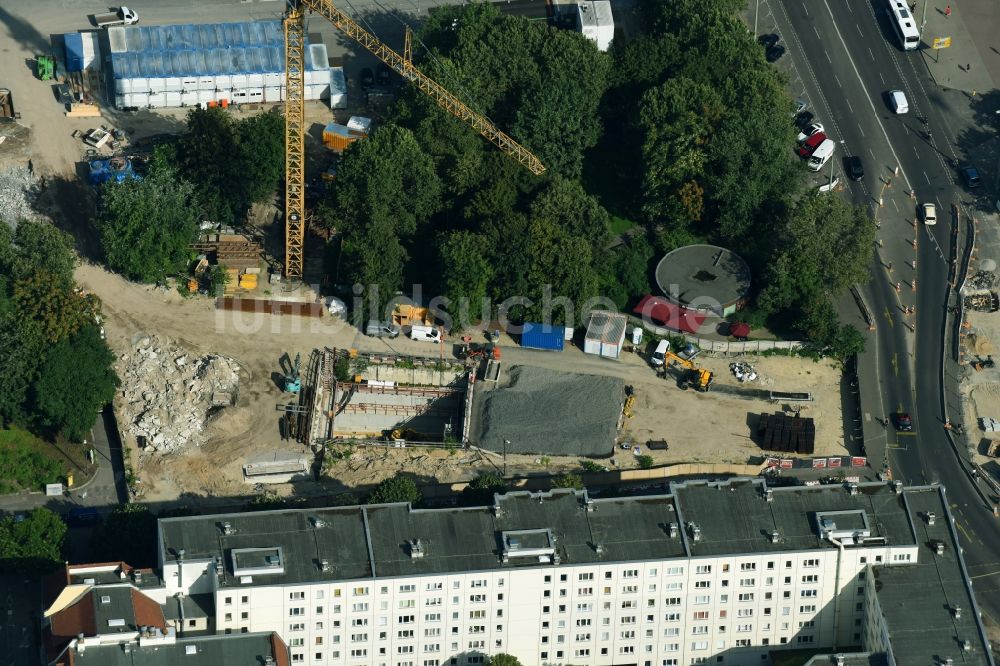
981, 389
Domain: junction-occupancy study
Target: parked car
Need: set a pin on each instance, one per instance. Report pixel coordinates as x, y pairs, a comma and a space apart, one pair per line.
367, 78
425, 333
855, 169
970, 176
381, 329
660, 354
808, 131
800, 106
929, 213
774, 53
898, 103
803, 119
809, 146
384, 75
903, 422
768, 41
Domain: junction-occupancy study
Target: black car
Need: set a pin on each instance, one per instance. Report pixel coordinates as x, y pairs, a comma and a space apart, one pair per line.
768, 41
367, 78
803, 119
903, 422
774, 53
970, 176
384, 74
855, 169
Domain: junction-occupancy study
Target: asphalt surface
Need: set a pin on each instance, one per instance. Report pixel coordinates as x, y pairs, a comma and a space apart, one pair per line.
846, 57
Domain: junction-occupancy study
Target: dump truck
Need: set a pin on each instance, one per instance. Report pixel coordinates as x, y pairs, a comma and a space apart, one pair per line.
7, 112
122, 16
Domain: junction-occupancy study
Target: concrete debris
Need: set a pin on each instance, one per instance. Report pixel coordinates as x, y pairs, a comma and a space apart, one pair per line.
19, 190
168, 393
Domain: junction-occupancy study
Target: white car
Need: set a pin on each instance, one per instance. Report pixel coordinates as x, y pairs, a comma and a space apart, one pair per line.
808, 131
930, 213
898, 103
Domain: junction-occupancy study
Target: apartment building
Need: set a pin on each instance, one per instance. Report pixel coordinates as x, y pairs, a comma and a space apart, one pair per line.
711, 573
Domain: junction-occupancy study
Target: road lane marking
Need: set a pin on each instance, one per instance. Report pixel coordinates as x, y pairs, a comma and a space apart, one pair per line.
849, 105
958, 524
805, 9
835, 77
881, 77
827, 56
862, 134
888, 317
895, 368
926, 177
869, 49
817, 33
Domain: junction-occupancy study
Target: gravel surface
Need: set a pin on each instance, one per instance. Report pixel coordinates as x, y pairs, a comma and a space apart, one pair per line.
551, 412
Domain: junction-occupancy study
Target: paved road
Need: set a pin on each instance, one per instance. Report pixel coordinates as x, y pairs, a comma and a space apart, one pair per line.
846, 57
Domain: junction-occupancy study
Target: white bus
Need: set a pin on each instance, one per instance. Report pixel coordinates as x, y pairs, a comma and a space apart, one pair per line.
904, 24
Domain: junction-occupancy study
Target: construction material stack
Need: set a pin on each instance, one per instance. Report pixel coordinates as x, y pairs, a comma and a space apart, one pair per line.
792, 434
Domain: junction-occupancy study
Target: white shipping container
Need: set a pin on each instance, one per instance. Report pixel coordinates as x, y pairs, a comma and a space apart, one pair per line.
592, 346
317, 92
206, 83
157, 85
173, 84
338, 101
255, 81
189, 98
206, 96
123, 86
273, 94
255, 95
173, 99
223, 81
274, 79
240, 81
157, 100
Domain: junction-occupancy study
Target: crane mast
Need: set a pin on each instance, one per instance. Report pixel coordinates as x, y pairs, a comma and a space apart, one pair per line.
295, 113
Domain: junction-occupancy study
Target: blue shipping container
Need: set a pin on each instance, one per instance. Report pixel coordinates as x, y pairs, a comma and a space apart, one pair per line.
543, 336
74, 51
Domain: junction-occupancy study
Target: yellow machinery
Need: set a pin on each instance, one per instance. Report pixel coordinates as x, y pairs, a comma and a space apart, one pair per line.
295, 38
694, 377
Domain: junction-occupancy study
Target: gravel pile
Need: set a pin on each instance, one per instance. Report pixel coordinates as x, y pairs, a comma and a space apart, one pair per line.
550, 412
168, 393
18, 191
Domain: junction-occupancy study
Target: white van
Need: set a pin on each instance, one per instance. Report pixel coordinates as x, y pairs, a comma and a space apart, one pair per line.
425, 333
821, 155
897, 101
660, 354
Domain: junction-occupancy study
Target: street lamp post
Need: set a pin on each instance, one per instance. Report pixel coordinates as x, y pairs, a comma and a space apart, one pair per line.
923, 21
756, 11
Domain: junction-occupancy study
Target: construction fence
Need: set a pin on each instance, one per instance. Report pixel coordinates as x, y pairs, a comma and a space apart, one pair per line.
722, 347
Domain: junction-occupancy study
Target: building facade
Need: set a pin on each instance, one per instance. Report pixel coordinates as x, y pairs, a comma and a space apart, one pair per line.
710, 573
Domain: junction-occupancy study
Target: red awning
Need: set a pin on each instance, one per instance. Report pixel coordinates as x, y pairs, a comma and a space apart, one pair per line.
739, 330
665, 313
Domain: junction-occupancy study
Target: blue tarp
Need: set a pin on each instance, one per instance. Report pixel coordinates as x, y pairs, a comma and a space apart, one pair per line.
115, 169
251, 47
73, 42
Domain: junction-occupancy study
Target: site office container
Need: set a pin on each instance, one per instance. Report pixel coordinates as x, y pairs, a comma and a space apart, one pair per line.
543, 336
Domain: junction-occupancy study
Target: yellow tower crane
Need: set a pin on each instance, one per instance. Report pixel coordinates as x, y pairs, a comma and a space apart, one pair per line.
295, 38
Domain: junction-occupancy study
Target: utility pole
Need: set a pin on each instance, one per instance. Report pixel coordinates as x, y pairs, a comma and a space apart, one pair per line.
756, 11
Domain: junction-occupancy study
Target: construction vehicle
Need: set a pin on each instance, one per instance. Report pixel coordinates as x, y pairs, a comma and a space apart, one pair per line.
694, 377
468, 351
293, 382
7, 112
45, 67
401, 64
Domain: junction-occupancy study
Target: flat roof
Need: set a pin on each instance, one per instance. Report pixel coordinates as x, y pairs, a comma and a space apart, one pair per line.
735, 516
701, 276
452, 540
607, 326
918, 599
201, 651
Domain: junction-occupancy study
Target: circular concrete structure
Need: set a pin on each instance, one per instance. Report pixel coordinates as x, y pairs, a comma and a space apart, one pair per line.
705, 278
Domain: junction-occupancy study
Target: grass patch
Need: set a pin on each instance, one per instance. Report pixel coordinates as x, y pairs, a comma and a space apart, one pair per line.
620, 225
28, 463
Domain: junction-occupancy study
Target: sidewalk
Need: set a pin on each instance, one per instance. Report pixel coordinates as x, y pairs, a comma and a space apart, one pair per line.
972, 62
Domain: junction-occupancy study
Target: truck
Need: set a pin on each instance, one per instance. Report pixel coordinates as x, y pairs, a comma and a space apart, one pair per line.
7, 112
122, 16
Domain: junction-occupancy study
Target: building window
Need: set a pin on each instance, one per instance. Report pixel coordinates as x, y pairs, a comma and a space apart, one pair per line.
703, 569
296, 596
585, 576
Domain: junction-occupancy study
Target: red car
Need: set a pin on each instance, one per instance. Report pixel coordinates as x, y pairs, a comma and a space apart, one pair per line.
809, 146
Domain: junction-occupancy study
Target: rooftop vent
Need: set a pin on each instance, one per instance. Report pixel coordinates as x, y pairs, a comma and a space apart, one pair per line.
121, 573
416, 550
324, 565
89, 581
967, 645
948, 661
599, 548
137, 576
897, 487
105, 599
318, 522
219, 568
931, 517
957, 612
227, 528
127, 648
938, 547
775, 536
673, 530
769, 495
589, 505
116, 622
695, 532
268, 660
839, 660
190, 649
852, 489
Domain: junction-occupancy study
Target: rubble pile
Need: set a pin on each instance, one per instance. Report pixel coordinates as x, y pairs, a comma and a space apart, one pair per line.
743, 371
168, 393
18, 191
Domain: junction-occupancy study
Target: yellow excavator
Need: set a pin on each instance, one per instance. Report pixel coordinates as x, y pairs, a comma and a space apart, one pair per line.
295, 43
694, 377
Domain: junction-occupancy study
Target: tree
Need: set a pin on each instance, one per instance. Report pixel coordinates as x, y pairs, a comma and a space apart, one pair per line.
146, 226
562, 263
847, 342
466, 273
33, 544
209, 155
24, 346
34, 246
74, 381
568, 481
128, 534
386, 190
262, 156
395, 489
46, 299
566, 204
503, 659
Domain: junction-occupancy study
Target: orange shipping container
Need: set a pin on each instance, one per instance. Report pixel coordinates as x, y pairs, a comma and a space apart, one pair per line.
337, 137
